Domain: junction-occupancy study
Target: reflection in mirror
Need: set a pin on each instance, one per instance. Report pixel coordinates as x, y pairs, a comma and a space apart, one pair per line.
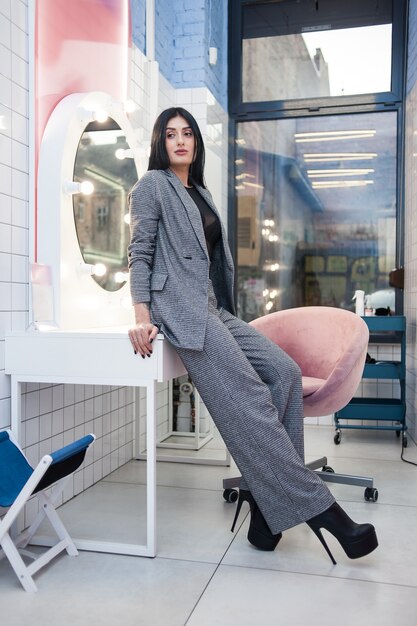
105, 159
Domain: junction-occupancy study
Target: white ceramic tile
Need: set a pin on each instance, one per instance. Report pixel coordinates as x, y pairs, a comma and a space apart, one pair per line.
5, 147
31, 431
5, 267
19, 213
45, 400
2, 354
5, 238
4, 385
19, 297
5, 323
4, 412
5, 179
20, 181
19, 42
45, 426
32, 404
20, 133
57, 422
69, 417
19, 13
19, 268
20, 320
5, 296
20, 156
5, 209
5, 61
237, 595
19, 70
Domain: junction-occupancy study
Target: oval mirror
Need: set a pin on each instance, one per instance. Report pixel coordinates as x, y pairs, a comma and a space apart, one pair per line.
105, 159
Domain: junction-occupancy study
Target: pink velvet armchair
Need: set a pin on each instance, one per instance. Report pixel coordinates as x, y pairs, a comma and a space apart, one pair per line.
330, 347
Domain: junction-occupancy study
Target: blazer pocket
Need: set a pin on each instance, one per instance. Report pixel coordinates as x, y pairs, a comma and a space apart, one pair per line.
158, 281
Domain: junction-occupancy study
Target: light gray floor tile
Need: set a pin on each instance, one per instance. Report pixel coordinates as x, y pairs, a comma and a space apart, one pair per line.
247, 597
362, 444
394, 561
107, 590
191, 524
396, 481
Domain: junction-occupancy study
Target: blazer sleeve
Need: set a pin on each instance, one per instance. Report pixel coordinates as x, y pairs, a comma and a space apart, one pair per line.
145, 211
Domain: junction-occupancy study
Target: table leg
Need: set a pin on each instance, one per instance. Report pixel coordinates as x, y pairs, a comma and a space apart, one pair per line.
151, 467
16, 408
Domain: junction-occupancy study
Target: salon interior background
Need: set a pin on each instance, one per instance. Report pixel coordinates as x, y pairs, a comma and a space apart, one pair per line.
297, 240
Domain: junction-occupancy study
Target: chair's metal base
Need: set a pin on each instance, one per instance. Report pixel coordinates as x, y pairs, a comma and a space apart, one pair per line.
328, 476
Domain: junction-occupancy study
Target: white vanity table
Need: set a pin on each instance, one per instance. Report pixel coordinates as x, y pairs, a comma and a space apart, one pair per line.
102, 357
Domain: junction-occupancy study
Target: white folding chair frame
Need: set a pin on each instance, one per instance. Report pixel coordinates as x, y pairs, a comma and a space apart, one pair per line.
14, 547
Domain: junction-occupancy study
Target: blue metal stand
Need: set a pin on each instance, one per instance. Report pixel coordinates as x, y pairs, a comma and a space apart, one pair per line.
388, 410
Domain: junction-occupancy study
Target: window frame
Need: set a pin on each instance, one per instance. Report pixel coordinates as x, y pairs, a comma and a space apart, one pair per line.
329, 105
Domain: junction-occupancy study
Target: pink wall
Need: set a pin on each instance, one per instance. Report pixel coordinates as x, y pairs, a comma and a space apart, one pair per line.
80, 46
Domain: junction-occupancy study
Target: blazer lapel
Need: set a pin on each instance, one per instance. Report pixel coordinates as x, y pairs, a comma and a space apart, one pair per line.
192, 211
207, 197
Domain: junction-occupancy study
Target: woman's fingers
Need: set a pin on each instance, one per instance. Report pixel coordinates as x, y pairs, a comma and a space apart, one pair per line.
141, 337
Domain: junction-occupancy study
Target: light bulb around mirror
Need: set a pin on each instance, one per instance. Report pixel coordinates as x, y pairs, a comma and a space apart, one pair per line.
71, 187
87, 187
100, 115
123, 154
121, 277
99, 269
126, 218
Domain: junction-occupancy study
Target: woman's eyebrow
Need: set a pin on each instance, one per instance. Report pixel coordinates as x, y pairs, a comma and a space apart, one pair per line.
184, 128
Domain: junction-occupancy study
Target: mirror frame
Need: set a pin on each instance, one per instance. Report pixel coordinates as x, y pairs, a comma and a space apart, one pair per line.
79, 302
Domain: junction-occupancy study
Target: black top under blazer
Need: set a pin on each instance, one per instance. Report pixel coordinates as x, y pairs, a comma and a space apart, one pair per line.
169, 262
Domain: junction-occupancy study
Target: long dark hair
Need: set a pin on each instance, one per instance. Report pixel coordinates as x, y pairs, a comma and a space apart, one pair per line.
158, 159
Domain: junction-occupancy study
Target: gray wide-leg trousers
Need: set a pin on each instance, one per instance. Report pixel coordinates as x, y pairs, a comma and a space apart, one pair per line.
253, 392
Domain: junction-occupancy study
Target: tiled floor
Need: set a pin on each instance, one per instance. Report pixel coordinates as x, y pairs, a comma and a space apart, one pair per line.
205, 576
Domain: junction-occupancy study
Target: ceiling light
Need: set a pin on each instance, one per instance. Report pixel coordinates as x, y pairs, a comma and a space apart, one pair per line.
340, 184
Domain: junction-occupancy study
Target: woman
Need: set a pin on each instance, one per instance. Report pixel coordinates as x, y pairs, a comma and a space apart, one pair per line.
181, 274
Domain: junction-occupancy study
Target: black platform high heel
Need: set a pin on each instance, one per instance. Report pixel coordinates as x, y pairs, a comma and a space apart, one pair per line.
259, 534
356, 539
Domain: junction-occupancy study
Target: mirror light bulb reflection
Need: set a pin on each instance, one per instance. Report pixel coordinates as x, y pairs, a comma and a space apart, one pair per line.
98, 269
121, 277
71, 187
123, 154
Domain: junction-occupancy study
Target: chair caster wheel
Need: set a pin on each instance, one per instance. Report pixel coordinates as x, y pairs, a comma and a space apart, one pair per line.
327, 469
371, 494
338, 437
230, 495
405, 441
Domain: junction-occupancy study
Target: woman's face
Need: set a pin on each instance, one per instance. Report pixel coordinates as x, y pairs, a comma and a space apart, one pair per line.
179, 143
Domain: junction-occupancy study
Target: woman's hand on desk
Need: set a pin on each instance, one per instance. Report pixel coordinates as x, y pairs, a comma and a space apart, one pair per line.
144, 332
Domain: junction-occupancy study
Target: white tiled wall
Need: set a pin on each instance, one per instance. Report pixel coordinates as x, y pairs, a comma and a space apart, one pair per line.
52, 415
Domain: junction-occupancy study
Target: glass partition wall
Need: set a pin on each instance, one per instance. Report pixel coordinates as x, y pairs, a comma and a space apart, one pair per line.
316, 93
316, 211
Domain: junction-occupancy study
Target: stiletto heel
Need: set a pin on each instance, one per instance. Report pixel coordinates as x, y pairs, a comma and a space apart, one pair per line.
238, 507
357, 540
319, 534
259, 534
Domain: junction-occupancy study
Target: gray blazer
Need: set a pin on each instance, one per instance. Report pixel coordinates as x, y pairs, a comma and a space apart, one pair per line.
168, 259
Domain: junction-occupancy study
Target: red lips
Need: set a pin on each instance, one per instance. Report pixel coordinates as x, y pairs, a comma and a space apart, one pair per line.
181, 152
